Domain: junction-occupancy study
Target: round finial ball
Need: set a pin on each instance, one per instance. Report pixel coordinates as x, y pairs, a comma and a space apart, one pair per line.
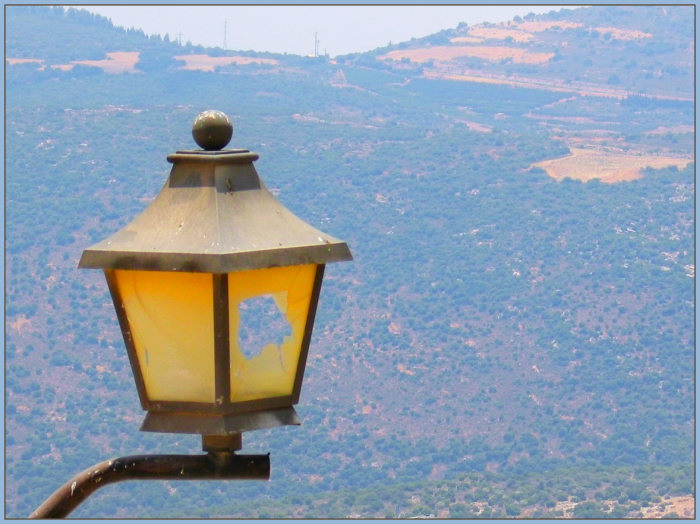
212, 130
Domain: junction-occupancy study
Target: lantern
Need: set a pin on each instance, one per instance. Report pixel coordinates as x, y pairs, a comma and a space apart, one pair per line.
185, 273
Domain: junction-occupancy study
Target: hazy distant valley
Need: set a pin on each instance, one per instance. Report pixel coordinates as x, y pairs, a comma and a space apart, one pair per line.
515, 335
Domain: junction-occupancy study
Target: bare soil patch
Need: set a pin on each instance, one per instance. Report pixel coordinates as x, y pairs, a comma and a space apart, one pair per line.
496, 33
403, 369
449, 73
446, 53
466, 40
608, 167
662, 130
624, 34
14, 61
476, 126
469, 78
683, 506
527, 28
209, 63
486, 78
117, 62
19, 323
536, 27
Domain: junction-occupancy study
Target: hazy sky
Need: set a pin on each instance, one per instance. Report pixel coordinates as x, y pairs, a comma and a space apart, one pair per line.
290, 28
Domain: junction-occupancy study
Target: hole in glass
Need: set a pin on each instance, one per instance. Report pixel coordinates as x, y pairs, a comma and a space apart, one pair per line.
261, 323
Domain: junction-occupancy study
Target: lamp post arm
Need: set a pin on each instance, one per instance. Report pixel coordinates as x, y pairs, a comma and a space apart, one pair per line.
219, 465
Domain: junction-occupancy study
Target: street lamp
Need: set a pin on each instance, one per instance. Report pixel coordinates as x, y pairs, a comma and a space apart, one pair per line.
213, 242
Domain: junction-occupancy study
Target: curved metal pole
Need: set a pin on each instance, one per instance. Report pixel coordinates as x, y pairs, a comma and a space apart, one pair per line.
214, 465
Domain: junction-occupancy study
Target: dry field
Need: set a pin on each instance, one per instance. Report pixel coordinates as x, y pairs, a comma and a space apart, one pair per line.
13, 61
209, 63
683, 506
524, 31
466, 40
536, 27
126, 62
117, 62
623, 34
62, 67
483, 78
662, 130
447, 53
500, 33
531, 83
587, 164
476, 126
470, 78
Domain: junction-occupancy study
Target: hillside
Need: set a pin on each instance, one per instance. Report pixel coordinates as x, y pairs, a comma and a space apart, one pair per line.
584, 52
515, 335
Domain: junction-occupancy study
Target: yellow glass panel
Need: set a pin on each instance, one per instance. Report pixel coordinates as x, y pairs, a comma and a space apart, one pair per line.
172, 323
271, 372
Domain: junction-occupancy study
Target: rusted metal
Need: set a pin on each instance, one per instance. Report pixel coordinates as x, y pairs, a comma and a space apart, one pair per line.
225, 156
222, 351
215, 465
306, 342
128, 337
221, 424
232, 442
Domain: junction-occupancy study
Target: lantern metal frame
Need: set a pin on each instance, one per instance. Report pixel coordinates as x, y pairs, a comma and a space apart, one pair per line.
214, 215
224, 417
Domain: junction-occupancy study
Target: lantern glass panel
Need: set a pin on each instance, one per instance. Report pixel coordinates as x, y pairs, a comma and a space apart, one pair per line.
171, 320
270, 370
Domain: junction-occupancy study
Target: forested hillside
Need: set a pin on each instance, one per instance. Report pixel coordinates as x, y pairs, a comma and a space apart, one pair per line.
515, 336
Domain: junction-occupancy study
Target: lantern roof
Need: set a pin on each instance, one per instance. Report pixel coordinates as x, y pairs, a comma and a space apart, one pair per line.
214, 215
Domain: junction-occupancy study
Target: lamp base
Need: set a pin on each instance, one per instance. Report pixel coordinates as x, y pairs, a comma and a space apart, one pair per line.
219, 424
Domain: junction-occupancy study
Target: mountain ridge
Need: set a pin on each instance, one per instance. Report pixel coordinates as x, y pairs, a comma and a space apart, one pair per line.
497, 327
544, 33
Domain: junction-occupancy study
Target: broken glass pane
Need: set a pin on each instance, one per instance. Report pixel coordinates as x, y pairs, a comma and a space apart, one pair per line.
261, 323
